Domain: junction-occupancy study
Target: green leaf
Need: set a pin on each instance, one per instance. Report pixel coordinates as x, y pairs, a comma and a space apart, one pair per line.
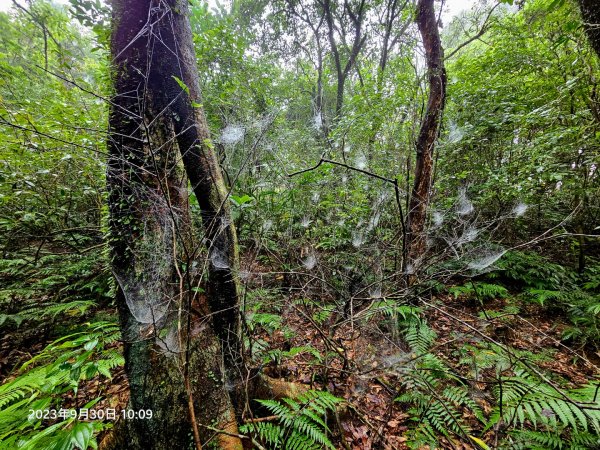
81, 434
91, 344
241, 200
554, 5
181, 84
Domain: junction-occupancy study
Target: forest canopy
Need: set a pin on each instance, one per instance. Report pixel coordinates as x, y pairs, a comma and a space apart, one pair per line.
299, 224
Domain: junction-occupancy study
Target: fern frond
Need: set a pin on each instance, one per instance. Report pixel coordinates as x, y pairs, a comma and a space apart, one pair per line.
419, 337
301, 422
45, 378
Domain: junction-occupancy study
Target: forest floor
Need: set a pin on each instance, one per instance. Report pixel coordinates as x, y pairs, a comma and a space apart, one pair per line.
360, 361
370, 381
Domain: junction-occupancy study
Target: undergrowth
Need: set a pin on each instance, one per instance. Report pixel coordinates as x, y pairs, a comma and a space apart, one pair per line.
37, 290
527, 409
299, 424
43, 383
525, 406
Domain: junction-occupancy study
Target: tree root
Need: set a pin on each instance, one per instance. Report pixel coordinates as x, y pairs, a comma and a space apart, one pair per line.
228, 438
264, 387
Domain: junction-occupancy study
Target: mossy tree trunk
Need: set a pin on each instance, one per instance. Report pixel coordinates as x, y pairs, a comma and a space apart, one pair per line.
182, 349
428, 133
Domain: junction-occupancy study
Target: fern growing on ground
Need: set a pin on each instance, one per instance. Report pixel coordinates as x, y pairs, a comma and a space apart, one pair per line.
35, 290
434, 396
301, 423
481, 291
528, 411
45, 379
565, 419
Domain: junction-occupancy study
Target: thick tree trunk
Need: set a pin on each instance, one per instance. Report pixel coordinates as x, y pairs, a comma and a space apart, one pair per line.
590, 13
180, 366
428, 27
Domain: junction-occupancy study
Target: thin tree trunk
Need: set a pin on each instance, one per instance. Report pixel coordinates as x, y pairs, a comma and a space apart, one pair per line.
357, 18
423, 175
590, 13
341, 79
179, 365
204, 173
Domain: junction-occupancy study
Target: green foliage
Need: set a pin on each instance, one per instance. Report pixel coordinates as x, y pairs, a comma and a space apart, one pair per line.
591, 276
534, 271
506, 312
269, 322
504, 139
435, 398
43, 382
48, 311
262, 313
66, 435
535, 413
561, 419
520, 128
419, 336
53, 287
277, 355
392, 308
555, 287
584, 313
480, 291
437, 413
301, 423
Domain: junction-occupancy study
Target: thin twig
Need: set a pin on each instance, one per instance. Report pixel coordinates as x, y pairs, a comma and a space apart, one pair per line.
480, 33
392, 181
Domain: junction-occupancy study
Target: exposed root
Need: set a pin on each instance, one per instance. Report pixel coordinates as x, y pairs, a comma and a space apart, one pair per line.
274, 388
228, 435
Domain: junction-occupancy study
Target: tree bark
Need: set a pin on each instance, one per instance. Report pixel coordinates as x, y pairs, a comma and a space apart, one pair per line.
342, 71
180, 365
425, 145
590, 13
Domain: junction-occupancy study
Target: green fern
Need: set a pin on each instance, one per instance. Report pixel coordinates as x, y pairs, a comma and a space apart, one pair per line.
419, 336
438, 413
525, 401
300, 422
481, 291
269, 322
535, 271
278, 355
391, 308
536, 440
69, 284
434, 396
542, 295
46, 378
584, 313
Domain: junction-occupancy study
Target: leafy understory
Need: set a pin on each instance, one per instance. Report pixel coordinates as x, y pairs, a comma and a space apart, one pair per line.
489, 338
299, 423
42, 384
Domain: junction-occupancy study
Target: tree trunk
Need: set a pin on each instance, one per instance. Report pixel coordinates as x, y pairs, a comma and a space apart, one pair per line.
357, 17
180, 365
590, 13
428, 27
